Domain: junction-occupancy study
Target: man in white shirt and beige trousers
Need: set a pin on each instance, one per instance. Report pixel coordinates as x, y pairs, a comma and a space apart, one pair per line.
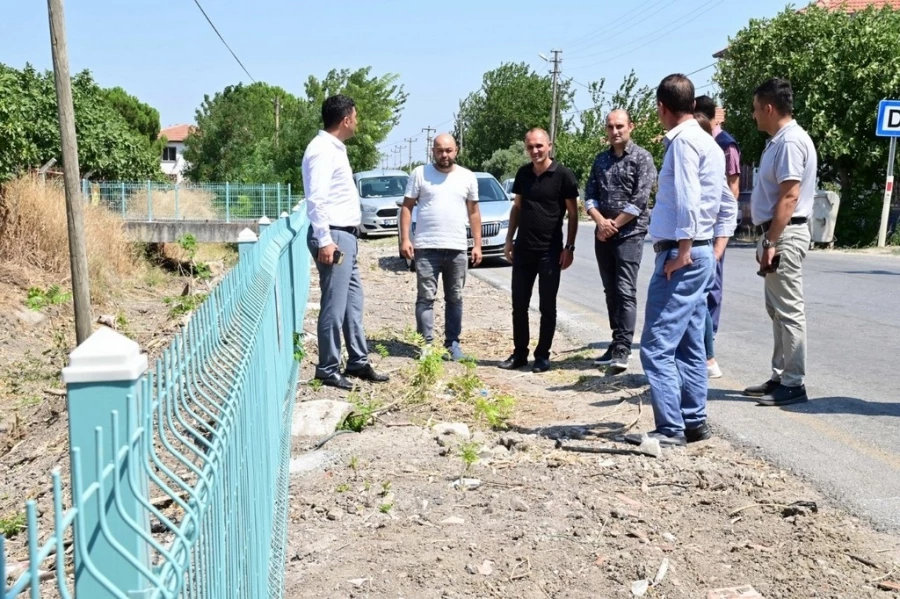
332, 202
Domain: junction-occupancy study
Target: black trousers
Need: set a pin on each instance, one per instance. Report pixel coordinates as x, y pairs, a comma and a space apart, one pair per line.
529, 265
619, 261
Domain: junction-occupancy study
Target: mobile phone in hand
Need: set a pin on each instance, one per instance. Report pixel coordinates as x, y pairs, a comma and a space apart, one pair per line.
338, 257
776, 260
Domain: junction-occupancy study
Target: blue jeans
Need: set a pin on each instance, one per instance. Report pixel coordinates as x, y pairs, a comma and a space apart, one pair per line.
714, 306
451, 266
672, 350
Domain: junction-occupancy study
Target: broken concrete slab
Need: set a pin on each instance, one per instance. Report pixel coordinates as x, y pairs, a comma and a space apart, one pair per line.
318, 417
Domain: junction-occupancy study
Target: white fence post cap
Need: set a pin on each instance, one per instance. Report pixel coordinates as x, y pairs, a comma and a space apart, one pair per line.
105, 356
247, 236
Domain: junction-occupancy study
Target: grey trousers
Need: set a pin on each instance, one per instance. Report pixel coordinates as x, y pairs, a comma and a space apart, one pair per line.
784, 304
341, 307
451, 266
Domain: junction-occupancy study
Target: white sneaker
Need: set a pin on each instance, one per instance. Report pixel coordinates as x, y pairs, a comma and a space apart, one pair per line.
713, 371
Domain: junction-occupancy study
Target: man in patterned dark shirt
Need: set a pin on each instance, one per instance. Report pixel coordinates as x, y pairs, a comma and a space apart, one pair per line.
616, 196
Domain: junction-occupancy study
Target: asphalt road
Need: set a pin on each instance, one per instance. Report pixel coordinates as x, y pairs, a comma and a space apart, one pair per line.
846, 440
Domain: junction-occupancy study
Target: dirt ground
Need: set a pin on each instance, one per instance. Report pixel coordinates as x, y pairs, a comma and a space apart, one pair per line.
376, 514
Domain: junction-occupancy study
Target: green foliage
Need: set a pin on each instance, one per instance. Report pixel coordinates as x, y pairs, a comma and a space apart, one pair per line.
111, 145
840, 66
10, 527
38, 299
342, 488
141, 118
382, 350
469, 454
429, 368
465, 386
183, 304
504, 163
236, 137
299, 347
188, 243
578, 146
513, 99
361, 416
314, 384
495, 410
384, 508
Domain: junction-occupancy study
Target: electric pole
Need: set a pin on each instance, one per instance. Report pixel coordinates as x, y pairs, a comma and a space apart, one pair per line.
410, 141
555, 108
277, 102
428, 131
398, 150
77, 253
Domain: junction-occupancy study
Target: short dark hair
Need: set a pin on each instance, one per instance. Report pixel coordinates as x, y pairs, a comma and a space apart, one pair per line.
779, 93
335, 109
706, 105
676, 92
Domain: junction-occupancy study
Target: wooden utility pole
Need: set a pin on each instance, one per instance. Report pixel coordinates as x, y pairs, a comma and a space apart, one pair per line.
428, 131
410, 141
277, 102
77, 252
555, 108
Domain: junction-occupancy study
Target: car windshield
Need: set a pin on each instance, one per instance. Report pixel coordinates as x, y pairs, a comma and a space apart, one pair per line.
490, 191
383, 187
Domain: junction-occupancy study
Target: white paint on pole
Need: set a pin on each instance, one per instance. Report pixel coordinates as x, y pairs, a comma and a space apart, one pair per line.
888, 125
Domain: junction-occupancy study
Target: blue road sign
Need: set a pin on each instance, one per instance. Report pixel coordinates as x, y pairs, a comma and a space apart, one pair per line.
888, 119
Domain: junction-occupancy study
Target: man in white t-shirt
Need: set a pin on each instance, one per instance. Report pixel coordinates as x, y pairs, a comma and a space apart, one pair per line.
447, 198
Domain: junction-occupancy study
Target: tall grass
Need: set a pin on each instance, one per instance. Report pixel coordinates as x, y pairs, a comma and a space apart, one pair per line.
34, 236
192, 205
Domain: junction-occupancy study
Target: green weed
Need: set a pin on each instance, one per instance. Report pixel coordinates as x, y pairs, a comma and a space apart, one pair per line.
429, 369
381, 350
10, 527
466, 385
361, 415
183, 304
469, 454
38, 299
299, 347
315, 384
384, 508
342, 488
496, 410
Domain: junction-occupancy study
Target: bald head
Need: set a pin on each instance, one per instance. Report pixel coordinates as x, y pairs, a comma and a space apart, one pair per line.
538, 146
618, 130
444, 152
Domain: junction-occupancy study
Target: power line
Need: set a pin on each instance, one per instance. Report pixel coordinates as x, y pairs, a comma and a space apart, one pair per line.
644, 41
208, 20
410, 134
700, 70
640, 13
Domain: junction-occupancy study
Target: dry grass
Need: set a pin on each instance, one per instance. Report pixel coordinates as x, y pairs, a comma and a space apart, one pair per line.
34, 235
192, 205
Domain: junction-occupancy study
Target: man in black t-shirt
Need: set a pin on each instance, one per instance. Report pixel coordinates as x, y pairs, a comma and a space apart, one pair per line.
545, 192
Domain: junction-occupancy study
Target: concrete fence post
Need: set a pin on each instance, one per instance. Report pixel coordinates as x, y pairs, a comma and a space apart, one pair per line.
246, 239
149, 202
227, 202
104, 376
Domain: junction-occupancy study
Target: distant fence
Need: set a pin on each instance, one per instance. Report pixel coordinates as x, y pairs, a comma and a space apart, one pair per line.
151, 201
179, 475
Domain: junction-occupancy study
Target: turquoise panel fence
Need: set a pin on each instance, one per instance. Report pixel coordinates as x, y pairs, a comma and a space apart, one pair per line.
179, 474
152, 201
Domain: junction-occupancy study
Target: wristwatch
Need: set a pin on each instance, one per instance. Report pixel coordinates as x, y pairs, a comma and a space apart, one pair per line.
766, 243
571, 248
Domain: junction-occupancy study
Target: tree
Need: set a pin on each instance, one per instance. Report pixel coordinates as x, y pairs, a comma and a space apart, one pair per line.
504, 163
577, 147
513, 99
840, 65
108, 145
236, 138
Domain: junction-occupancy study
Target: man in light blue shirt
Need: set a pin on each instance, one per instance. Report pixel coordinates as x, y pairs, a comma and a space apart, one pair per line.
683, 224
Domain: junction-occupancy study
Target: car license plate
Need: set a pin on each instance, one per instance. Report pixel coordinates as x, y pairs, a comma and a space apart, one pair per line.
471, 242
390, 222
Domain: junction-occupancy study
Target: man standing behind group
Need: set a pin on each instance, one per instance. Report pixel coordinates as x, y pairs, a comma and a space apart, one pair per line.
781, 203
682, 227
545, 191
616, 196
707, 106
332, 203
447, 198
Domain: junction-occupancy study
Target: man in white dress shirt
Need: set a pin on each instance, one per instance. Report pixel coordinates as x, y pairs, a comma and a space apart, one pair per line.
332, 203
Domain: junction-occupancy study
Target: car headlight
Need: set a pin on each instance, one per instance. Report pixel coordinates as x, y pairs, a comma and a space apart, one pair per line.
504, 224
369, 209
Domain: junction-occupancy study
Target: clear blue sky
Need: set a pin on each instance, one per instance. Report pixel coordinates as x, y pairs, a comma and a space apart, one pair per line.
166, 54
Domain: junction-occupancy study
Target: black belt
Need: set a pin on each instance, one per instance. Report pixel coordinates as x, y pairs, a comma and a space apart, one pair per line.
352, 230
797, 220
668, 244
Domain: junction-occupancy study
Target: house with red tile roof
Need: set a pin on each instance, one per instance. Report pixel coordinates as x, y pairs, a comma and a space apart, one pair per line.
172, 162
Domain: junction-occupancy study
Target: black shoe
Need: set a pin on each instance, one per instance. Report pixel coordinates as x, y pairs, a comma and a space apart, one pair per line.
664, 440
605, 357
700, 432
367, 373
541, 365
760, 390
620, 357
337, 381
513, 362
784, 396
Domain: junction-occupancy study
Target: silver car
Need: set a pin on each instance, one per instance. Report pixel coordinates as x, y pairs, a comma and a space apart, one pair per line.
379, 192
494, 206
